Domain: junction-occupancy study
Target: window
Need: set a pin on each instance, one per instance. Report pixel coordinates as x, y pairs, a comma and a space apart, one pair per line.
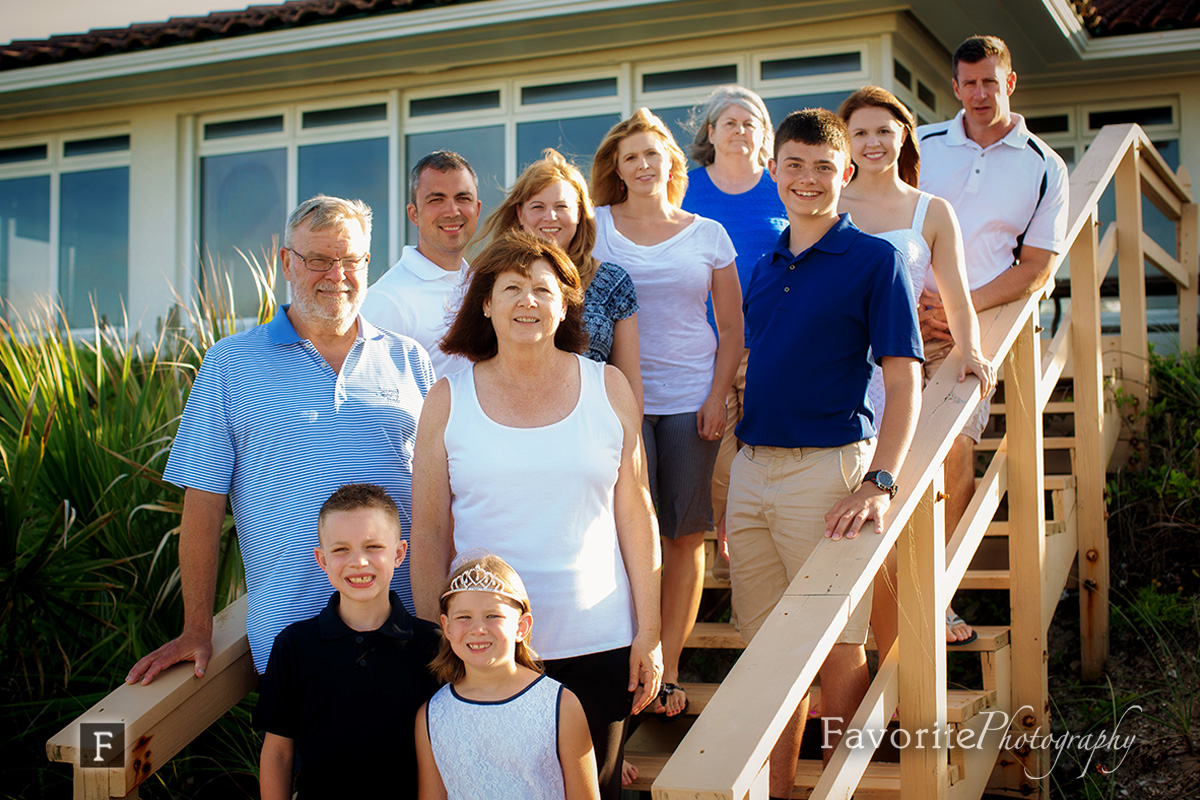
64, 226
254, 171
1158, 118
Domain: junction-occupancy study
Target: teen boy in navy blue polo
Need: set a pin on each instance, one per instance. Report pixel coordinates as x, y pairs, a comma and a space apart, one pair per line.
816, 305
348, 682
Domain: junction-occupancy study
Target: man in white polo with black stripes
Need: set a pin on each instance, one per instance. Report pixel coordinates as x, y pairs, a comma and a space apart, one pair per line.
1009, 190
278, 418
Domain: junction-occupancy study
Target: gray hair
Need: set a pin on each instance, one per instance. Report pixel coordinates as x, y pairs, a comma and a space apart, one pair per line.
701, 150
323, 212
442, 161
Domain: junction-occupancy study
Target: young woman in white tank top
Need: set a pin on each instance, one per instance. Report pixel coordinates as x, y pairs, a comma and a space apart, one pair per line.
883, 200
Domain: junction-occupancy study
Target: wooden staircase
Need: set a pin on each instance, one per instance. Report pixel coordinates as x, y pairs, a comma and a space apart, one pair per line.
1054, 511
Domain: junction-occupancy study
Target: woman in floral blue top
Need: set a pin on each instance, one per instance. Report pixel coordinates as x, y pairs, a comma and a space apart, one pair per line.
551, 199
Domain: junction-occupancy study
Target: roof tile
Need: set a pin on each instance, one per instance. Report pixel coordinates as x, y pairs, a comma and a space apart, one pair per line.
184, 30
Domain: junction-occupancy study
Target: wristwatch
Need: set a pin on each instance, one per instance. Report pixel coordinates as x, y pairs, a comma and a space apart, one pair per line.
883, 479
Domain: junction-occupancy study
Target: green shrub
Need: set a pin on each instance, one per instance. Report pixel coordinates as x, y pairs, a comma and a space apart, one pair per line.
89, 576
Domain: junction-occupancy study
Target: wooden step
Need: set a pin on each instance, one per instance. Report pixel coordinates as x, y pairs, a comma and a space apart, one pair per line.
985, 579
722, 635
881, 780
961, 704
1052, 407
1048, 443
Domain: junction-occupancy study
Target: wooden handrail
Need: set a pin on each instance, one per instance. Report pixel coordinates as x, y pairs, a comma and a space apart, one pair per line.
161, 718
724, 753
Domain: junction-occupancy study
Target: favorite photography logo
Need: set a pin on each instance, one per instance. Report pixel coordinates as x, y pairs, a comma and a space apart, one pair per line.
101, 745
1100, 751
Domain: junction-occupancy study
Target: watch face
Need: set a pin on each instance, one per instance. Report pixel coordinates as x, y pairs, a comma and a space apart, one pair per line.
884, 479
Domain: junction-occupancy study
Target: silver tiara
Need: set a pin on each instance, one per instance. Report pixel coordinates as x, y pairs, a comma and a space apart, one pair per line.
478, 579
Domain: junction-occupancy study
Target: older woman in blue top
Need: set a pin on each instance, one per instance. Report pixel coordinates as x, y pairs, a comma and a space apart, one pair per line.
732, 145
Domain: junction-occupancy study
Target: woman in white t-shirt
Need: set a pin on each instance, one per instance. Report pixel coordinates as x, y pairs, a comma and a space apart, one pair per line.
675, 259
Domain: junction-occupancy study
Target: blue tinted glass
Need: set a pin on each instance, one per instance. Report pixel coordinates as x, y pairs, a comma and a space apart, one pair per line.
780, 107
357, 171
1161, 115
105, 144
1154, 222
575, 90
93, 252
24, 238
15, 155
484, 150
687, 78
344, 116
474, 101
810, 65
243, 127
242, 207
676, 118
577, 139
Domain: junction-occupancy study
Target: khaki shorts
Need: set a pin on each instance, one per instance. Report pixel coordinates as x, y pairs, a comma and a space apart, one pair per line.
973, 427
778, 498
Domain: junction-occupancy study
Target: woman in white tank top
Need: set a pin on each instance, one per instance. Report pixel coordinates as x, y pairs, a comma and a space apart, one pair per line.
535, 455
883, 200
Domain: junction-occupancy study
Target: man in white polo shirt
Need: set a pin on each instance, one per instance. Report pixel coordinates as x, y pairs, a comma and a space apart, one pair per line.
422, 289
1009, 190
279, 417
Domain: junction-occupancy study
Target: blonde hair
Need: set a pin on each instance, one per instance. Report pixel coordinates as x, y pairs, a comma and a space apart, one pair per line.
550, 169
608, 188
447, 666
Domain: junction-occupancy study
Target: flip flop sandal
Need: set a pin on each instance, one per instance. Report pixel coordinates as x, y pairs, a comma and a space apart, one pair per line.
665, 691
951, 621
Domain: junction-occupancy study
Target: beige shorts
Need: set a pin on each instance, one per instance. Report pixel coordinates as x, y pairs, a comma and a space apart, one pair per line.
973, 427
778, 498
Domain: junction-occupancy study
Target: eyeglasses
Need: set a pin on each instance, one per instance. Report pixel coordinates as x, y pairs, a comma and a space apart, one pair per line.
322, 264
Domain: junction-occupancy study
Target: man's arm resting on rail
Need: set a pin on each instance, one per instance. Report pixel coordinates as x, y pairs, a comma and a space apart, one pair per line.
199, 550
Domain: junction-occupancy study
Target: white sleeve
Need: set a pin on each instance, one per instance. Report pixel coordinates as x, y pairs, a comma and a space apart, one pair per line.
1048, 228
388, 311
723, 250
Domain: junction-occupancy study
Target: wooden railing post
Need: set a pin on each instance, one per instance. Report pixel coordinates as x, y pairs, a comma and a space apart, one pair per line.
1090, 455
1187, 249
921, 560
1027, 550
1131, 272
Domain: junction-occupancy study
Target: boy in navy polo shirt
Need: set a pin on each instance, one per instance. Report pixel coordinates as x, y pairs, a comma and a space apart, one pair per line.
816, 305
348, 681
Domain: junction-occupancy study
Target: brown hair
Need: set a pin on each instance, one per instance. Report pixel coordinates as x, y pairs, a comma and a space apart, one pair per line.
814, 126
471, 333
354, 496
909, 160
976, 48
442, 161
551, 168
446, 665
608, 188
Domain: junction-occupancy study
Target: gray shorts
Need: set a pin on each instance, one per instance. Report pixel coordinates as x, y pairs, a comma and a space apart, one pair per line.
680, 464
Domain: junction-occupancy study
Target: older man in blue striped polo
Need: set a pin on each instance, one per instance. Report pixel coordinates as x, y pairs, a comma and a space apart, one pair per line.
278, 418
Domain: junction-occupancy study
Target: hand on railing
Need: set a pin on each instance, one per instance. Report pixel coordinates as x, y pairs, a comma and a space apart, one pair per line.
981, 368
867, 503
186, 647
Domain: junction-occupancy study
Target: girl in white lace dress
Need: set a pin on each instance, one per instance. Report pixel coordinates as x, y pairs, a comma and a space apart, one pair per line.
499, 728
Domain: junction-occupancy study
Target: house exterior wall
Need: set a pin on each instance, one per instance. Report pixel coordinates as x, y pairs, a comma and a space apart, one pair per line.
379, 114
